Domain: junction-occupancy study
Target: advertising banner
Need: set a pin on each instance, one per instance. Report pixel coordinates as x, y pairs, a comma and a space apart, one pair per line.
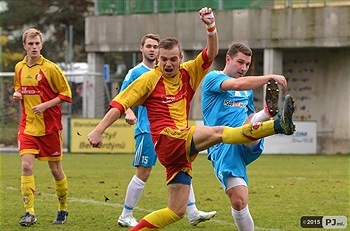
118, 138
303, 141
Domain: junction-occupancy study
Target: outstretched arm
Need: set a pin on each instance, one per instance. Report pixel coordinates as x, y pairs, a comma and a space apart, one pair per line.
95, 137
252, 82
207, 16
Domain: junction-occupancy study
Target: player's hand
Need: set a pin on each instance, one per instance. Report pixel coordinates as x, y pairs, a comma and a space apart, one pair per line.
281, 80
131, 121
17, 96
130, 118
40, 108
206, 15
95, 139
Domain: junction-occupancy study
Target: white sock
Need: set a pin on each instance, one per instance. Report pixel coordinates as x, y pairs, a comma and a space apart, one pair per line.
243, 219
260, 116
133, 194
191, 204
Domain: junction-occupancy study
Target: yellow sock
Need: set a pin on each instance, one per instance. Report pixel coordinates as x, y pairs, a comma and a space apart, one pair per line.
162, 217
62, 194
248, 132
28, 189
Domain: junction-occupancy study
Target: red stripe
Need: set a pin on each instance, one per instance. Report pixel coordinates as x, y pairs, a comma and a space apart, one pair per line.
157, 106
251, 138
190, 92
143, 224
53, 114
206, 63
65, 98
118, 106
211, 29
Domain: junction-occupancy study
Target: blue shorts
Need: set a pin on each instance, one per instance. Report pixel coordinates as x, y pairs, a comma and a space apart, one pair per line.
231, 160
145, 155
181, 178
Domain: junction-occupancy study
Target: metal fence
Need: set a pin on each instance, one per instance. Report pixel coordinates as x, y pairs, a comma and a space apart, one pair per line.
124, 7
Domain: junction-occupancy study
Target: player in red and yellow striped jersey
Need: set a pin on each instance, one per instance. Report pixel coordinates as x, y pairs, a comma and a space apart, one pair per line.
167, 91
41, 87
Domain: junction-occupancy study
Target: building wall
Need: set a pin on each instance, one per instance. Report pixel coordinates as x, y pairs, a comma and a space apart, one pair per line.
319, 80
258, 28
314, 42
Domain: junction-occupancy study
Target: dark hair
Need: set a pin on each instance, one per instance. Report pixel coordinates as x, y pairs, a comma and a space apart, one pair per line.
149, 36
169, 43
239, 47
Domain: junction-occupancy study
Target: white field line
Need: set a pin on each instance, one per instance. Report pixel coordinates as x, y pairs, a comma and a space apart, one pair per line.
90, 201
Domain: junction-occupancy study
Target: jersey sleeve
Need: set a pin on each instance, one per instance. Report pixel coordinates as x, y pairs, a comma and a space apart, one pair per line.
136, 93
60, 84
129, 78
212, 82
197, 68
16, 81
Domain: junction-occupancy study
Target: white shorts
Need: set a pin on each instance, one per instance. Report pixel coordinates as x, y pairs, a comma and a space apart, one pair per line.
235, 181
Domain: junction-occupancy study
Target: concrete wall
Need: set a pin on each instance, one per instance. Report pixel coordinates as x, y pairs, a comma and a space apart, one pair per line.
265, 28
313, 42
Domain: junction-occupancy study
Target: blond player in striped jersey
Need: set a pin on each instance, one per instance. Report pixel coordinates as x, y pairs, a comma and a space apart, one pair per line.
41, 87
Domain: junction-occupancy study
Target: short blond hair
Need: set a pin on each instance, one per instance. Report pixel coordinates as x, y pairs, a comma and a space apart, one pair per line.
31, 33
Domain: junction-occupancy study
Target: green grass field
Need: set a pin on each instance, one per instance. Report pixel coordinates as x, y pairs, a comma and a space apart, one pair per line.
282, 189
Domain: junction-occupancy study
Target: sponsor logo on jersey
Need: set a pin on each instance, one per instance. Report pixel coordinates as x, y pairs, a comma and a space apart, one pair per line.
173, 98
30, 91
231, 103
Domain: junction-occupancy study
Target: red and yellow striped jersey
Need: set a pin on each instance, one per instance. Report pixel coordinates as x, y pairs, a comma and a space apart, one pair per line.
40, 83
167, 99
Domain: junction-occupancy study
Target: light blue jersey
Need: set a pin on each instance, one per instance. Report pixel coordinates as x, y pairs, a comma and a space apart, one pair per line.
144, 155
142, 124
228, 108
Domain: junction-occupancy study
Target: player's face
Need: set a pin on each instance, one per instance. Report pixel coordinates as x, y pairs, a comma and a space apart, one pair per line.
33, 47
169, 61
150, 50
239, 65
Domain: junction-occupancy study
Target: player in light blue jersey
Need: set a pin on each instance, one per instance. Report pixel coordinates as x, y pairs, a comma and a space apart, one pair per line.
145, 156
228, 99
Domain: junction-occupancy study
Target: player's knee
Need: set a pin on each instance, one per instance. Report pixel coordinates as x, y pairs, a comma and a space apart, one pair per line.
143, 173
238, 203
27, 167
